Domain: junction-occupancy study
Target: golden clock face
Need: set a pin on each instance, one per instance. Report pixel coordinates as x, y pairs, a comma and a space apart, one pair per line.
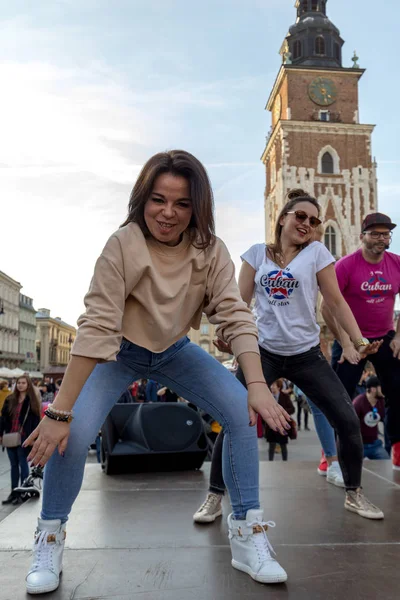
322, 91
277, 108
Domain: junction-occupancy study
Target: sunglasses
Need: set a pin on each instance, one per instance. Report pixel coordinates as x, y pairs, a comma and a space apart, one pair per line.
301, 217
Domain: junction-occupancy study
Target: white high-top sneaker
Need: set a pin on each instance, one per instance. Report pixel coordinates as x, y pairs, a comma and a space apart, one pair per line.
48, 548
334, 474
251, 549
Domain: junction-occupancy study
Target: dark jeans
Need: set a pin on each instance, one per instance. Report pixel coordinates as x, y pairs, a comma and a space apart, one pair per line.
312, 374
19, 464
388, 371
272, 448
300, 408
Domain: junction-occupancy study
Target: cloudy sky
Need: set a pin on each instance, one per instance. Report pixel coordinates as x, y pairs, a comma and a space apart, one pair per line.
92, 88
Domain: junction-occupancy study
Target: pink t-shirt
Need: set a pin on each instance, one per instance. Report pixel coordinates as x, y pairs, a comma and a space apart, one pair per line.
370, 290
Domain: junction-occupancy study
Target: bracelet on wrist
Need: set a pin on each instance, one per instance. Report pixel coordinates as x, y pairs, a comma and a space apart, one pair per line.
56, 411
251, 382
61, 418
361, 342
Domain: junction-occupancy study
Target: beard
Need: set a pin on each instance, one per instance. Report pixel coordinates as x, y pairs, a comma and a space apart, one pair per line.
377, 247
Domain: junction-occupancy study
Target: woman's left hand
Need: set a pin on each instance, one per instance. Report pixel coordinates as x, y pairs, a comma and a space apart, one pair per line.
262, 402
372, 348
222, 346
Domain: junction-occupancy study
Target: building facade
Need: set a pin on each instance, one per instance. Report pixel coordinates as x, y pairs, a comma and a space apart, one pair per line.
204, 337
27, 333
316, 141
10, 356
54, 339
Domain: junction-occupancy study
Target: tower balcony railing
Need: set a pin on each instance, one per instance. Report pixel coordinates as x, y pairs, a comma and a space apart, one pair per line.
326, 116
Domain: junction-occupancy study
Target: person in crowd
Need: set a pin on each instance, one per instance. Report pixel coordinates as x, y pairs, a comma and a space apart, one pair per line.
285, 277
134, 389
155, 277
151, 392
141, 391
274, 437
370, 409
165, 394
369, 279
302, 407
4, 392
20, 415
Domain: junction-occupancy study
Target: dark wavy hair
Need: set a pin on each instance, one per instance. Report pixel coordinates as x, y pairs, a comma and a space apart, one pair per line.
34, 401
293, 197
178, 162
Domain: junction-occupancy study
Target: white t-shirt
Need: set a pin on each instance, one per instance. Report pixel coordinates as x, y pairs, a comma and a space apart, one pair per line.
286, 299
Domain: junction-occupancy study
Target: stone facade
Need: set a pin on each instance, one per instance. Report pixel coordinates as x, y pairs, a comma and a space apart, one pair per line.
27, 333
10, 356
54, 339
204, 337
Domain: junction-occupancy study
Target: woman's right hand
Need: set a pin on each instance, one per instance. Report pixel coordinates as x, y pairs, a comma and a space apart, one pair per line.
47, 436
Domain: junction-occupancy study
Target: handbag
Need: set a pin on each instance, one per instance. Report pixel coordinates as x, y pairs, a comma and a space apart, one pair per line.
13, 440
292, 433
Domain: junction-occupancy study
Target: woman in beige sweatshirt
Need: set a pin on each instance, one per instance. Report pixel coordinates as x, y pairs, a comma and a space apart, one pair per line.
153, 280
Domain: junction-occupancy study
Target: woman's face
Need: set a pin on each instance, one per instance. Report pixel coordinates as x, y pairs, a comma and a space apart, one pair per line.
168, 211
293, 230
22, 385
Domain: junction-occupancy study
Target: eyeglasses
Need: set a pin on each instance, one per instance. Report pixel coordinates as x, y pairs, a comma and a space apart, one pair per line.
376, 235
302, 217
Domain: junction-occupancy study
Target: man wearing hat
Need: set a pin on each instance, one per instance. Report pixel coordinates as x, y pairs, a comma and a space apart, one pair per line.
369, 280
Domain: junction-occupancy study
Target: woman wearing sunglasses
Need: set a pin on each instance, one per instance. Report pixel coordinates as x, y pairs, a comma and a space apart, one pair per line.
285, 278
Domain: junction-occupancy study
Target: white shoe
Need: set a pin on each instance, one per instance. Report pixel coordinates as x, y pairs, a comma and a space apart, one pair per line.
209, 510
334, 474
251, 549
48, 548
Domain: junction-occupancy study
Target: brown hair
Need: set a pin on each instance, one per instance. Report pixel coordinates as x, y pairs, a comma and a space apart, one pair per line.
279, 384
178, 162
293, 197
13, 398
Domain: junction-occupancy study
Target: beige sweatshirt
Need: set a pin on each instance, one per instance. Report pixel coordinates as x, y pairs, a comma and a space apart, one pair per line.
152, 294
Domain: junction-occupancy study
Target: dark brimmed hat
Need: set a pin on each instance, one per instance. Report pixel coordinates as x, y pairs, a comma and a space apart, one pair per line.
377, 219
372, 381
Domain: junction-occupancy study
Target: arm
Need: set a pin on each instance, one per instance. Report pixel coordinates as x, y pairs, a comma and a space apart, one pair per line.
235, 323
98, 339
246, 282
395, 343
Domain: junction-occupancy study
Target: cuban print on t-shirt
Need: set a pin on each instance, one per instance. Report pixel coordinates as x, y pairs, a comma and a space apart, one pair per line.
279, 285
285, 299
377, 287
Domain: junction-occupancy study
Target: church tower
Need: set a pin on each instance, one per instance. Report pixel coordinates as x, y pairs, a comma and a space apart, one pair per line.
316, 141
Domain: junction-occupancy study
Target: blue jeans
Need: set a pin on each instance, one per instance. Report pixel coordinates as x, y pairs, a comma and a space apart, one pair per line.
192, 374
325, 431
19, 465
375, 451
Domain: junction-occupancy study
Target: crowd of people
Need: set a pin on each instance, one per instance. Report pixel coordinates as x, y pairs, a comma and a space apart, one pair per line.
151, 283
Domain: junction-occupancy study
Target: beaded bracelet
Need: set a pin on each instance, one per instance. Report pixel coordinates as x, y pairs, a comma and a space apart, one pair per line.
60, 418
56, 411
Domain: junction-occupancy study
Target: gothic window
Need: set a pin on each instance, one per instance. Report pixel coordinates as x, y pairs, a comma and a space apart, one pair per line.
327, 163
320, 45
297, 49
337, 51
204, 329
314, 5
330, 239
304, 6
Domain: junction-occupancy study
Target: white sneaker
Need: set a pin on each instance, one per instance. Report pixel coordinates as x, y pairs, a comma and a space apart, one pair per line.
210, 509
251, 549
334, 474
48, 547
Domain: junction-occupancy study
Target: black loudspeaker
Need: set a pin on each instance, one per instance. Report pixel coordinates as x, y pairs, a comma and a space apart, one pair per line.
152, 437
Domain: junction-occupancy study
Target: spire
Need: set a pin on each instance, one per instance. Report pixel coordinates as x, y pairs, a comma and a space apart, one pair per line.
313, 40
